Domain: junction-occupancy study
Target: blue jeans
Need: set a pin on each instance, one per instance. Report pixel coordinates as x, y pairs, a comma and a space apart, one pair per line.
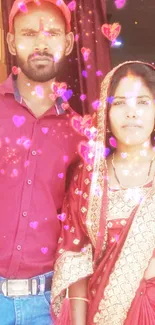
26, 310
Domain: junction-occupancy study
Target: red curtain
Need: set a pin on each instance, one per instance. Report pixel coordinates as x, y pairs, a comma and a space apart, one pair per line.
83, 74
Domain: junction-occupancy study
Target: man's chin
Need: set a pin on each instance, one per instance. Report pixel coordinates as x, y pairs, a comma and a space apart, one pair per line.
43, 76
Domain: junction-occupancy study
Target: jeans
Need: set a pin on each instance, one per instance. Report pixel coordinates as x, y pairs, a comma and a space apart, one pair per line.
26, 310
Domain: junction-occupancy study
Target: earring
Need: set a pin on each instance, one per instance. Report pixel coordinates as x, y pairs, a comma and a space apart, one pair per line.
108, 131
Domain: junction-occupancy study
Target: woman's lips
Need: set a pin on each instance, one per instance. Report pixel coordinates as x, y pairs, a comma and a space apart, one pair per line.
126, 126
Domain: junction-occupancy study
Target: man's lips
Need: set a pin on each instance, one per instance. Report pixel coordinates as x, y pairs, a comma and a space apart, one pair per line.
41, 58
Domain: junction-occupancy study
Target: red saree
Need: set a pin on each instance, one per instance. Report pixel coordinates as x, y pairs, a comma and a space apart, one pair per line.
116, 259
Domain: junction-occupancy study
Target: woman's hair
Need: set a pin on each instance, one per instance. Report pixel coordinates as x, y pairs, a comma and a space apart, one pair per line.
142, 70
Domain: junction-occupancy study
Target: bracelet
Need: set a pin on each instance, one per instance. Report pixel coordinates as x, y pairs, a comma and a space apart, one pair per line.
78, 298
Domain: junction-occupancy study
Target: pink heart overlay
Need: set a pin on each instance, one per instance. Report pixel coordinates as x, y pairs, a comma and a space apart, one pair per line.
111, 31
61, 216
66, 227
61, 175
45, 130
34, 224
44, 250
18, 120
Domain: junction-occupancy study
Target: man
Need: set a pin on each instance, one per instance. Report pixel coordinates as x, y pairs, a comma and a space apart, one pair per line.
37, 144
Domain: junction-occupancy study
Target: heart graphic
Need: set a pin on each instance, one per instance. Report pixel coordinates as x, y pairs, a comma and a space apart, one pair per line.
65, 159
91, 133
67, 95
61, 216
66, 227
59, 88
87, 152
72, 5
22, 7
14, 173
120, 3
85, 52
45, 130
65, 106
18, 120
113, 142
34, 224
16, 70
80, 123
44, 250
111, 31
61, 175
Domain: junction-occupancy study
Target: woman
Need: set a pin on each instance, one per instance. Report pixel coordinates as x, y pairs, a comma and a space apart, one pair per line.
106, 250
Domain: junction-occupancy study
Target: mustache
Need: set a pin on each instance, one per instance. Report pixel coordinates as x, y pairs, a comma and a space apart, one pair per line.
40, 54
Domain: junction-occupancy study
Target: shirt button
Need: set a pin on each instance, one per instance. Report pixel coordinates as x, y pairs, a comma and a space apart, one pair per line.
19, 247
34, 153
29, 182
24, 214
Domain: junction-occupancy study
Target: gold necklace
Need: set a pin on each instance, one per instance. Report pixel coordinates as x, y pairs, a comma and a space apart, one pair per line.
115, 173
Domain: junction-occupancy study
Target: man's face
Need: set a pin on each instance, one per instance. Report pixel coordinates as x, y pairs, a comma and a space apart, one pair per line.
40, 42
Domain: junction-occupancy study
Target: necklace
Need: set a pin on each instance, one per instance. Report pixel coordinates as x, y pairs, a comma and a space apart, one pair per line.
115, 173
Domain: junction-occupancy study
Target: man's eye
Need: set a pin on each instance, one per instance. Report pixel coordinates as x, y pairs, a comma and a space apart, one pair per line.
28, 34
51, 34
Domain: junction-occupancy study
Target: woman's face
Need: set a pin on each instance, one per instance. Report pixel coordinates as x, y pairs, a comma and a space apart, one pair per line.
132, 114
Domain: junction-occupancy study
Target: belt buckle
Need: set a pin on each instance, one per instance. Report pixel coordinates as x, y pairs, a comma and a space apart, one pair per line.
13, 288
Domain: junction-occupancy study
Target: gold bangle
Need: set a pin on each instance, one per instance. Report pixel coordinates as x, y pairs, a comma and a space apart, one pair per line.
78, 298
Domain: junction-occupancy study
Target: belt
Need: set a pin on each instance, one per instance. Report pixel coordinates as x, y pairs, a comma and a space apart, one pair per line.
25, 287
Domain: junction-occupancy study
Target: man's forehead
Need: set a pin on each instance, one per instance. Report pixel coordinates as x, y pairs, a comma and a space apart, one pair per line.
47, 12
39, 19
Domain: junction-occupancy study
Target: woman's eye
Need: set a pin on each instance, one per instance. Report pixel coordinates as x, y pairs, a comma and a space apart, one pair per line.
119, 102
143, 102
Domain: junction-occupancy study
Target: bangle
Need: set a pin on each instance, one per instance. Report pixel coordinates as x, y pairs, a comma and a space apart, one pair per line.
78, 298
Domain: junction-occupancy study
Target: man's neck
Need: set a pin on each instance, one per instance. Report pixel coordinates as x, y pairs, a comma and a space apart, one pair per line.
35, 94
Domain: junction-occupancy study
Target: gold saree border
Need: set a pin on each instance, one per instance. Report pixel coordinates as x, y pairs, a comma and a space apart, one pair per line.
130, 266
69, 268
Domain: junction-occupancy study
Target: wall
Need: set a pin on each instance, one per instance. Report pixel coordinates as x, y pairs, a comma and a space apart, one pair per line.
3, 70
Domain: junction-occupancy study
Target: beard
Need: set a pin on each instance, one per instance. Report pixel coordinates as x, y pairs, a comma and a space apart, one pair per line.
40, 72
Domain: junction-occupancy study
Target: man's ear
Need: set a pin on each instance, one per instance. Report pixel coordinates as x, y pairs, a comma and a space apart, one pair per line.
11, 43
69, 43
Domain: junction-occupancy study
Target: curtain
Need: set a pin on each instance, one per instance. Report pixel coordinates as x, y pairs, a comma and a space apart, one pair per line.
90, 59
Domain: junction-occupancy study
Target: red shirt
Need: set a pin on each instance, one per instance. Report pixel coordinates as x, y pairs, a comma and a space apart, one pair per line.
34, 156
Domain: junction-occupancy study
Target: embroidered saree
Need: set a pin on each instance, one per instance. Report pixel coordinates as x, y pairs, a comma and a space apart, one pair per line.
108, 237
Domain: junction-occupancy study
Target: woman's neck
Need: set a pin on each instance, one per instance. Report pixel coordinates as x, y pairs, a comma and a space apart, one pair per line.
142, 152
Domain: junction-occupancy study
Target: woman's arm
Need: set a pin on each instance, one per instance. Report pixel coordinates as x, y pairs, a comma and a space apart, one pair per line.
78, 302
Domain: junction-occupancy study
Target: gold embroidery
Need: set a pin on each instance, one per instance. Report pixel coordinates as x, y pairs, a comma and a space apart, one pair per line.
76, 241
89, 168
76, 191
69, 268
129, 268
122, 202
87, 181
83, 209
75, 178
85, 195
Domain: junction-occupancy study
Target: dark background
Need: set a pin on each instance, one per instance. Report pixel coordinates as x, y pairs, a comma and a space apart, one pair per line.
138, 40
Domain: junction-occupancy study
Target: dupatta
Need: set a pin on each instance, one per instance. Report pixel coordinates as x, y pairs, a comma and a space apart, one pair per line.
84, 232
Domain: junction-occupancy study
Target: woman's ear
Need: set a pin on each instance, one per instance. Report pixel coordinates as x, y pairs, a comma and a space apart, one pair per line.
11, 43
69, 43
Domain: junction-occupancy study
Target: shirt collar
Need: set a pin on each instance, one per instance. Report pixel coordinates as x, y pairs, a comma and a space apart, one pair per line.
9, 86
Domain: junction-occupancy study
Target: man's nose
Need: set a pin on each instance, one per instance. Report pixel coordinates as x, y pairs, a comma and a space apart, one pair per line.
41, 43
